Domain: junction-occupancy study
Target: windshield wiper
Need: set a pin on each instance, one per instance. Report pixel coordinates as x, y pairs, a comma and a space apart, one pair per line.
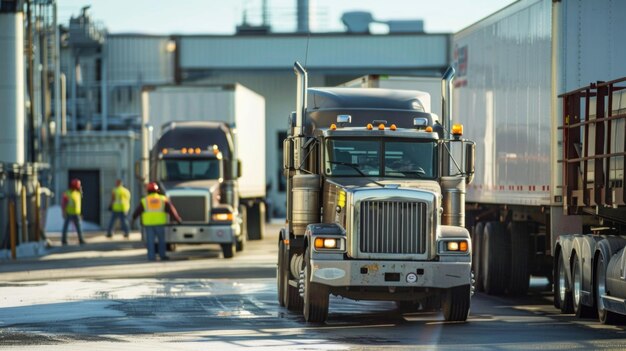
351, 165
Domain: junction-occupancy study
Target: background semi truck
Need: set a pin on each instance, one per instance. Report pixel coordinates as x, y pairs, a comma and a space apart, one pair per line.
374, 208
204, 122
511, 68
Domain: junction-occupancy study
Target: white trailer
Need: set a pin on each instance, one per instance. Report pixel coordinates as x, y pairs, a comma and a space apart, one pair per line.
511, 69
241, 108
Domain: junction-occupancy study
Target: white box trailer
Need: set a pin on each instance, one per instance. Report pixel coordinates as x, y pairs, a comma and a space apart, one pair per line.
241, 109
511, 68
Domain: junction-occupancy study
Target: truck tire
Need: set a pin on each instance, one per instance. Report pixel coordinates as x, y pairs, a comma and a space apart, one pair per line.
228, 250
256, 220
431, 303
456, 303
280, 273
605, 316
293, 299
581, 310
477, 241
316, 296
169, 247
495, 253
562, 295
519, 277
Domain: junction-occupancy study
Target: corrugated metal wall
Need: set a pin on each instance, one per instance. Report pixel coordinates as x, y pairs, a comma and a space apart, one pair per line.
139, 58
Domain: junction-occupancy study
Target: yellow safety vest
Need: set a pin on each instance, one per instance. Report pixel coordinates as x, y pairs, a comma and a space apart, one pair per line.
153, 210
73, 202
121, 202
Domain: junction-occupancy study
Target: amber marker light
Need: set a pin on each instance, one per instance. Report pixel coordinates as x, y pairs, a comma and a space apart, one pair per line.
164, 151
197, 150
463, 246
381, 127
429, 129
457, 129
183, 150
215, 150
333, 126
393, 127
370, 126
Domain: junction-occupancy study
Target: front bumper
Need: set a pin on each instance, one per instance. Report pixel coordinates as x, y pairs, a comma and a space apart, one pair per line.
202, 234
390, 273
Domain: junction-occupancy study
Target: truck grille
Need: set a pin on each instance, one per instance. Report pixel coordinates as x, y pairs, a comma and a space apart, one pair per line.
191, 208
393, 227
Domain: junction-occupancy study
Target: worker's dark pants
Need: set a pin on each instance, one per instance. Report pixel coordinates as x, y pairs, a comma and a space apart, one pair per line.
153, 231
122, 217
77, 224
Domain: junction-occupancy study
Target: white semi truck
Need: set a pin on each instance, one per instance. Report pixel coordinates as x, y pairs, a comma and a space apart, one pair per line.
209, 157
548, 195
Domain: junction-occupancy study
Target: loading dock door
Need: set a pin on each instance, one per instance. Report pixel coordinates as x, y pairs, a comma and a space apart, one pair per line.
90, 181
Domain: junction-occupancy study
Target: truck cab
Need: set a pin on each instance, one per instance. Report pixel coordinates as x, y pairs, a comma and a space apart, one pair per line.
194, 163
375, 205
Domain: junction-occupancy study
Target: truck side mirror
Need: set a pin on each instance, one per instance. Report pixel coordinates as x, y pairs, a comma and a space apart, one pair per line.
470, 154
239, 168
288, 153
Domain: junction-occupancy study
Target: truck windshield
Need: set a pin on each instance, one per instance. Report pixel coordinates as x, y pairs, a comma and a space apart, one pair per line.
381, 158
189, 169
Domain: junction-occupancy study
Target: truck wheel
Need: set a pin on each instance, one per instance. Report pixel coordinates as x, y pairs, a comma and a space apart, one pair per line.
407, 306
256, 220
241, 243
456, 303
581, 310
477, 241
495, 253
280, 276
228, 250
519, 277
605, 316
293, 299
170, 247
562, 295
316, 296
431, 303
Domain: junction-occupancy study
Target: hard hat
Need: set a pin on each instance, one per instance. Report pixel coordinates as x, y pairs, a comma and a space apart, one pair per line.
152, 187
75, 184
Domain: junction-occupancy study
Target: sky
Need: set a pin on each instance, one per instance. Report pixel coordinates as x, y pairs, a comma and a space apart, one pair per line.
222, 16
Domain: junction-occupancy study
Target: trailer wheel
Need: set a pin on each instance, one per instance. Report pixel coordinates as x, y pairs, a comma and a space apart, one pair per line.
280, 273
256, 220
605, 316
228, 250
581, 310
519, 277
316, 296
495, 254
431, 303
562, 295
456, 303
477, 241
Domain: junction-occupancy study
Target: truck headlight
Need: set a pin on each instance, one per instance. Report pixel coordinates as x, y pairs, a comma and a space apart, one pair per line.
460, 246
325, 243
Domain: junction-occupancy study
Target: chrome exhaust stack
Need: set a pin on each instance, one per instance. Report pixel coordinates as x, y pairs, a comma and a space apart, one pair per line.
301, 98
446, 101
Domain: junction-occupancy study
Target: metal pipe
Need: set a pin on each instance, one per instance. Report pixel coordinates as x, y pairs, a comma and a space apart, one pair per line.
446, 101
37, 211
12, 228
301, 97
23, 214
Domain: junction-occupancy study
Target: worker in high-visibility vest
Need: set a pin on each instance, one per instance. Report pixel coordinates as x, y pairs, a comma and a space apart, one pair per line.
153, 210
71, 208
120, 205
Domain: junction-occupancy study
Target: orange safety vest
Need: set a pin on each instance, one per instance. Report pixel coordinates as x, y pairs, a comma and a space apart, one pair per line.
154, 210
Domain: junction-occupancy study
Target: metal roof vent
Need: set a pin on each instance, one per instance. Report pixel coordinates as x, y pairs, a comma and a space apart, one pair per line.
357, 21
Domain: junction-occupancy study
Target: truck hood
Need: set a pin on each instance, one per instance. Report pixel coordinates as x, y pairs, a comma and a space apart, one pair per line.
212, 185
353, 183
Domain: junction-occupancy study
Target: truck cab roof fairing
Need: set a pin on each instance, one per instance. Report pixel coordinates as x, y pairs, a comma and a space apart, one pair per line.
364, 105
197, 134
